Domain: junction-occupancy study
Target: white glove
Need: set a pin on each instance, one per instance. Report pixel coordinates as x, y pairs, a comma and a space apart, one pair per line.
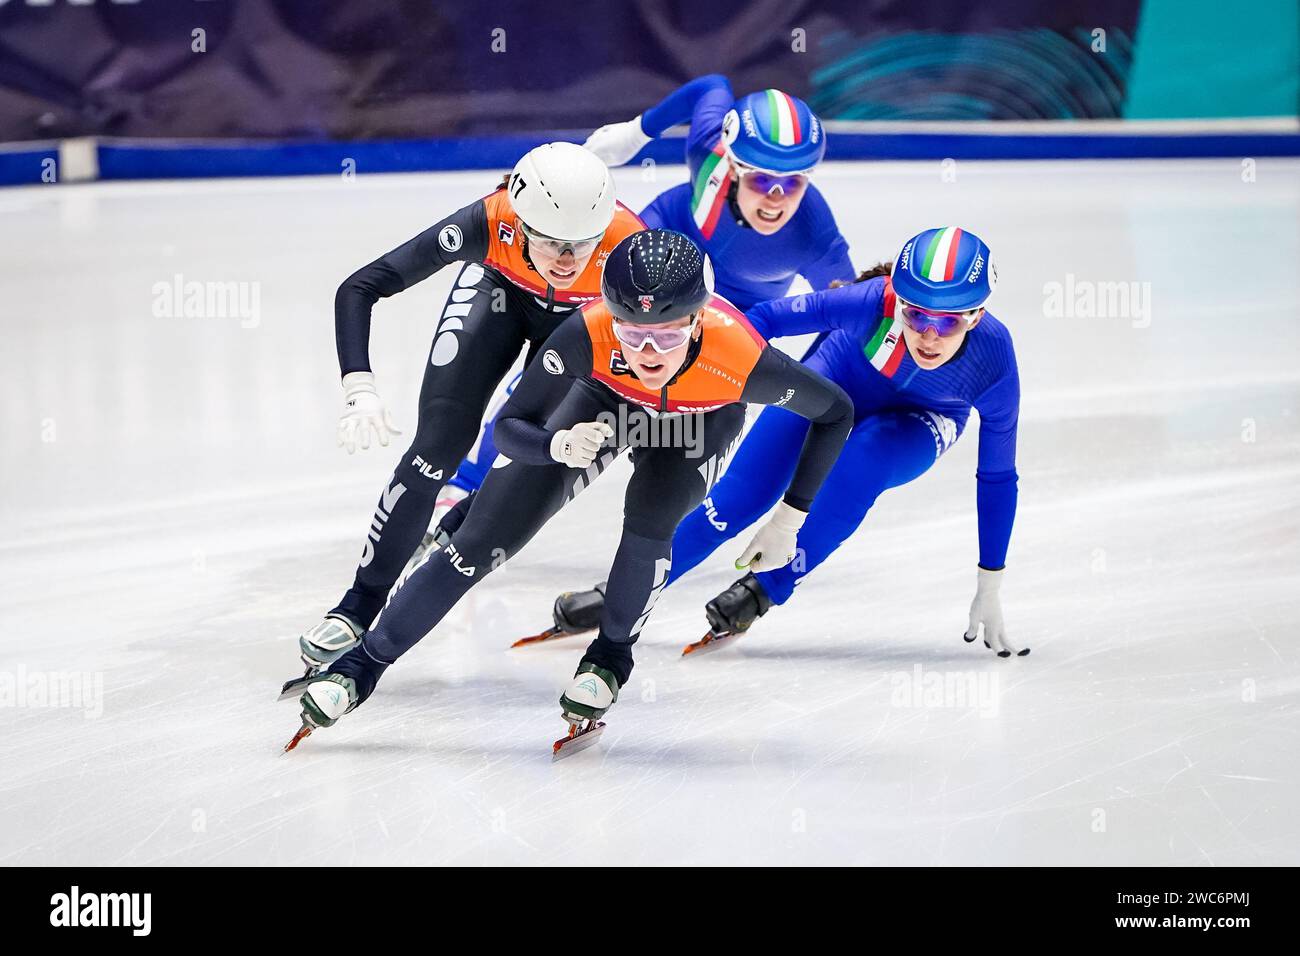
775, 544
578, 446
363, 412
986, 609
616, 143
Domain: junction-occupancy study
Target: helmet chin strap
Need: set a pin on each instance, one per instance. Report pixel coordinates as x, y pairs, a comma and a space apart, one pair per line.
528, 257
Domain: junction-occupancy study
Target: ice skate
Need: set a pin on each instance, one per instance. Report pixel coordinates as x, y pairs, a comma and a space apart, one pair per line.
592, 692
575, 612
327, 698
321, 646
731, 613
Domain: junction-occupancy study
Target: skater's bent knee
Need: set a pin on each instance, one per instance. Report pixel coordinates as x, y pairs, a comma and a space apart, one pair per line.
657, 526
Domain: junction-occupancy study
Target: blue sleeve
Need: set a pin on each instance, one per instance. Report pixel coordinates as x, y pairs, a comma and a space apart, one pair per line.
829, 251
833, 264
706, 124
855, 307
777, 379
679, 106
655, 215
996, 478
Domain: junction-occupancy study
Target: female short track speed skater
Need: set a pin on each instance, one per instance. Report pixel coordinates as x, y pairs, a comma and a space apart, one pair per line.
533, 249
915, 351
749, 202
660, 347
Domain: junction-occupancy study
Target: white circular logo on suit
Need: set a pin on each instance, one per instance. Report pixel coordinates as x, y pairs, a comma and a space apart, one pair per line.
552, 362
450, 238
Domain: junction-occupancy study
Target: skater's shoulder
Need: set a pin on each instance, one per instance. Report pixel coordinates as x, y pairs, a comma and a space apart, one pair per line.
815, 212
729, 339
497, 205
993, 334
990, 347
598, 321
731, 322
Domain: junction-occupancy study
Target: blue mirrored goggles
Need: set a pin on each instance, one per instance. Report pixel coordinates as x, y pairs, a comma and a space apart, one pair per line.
765, 183
943, 323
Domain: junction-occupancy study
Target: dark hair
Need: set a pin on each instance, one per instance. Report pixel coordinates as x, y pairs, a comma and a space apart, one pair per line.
879, 269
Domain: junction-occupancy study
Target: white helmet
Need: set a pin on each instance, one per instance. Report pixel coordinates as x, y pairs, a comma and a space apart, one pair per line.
564, 191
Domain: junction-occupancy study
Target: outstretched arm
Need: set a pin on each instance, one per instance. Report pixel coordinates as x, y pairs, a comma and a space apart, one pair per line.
679, 106
857, 306
995, 476
995, 502
616, 143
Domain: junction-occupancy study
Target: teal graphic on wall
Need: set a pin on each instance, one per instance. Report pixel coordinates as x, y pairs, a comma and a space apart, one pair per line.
1200, 59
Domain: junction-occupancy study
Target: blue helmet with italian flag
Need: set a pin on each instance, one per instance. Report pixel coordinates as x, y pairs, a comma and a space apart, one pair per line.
946, 269
774, 132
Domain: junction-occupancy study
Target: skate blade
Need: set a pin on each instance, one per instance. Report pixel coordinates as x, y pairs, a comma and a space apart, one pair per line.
549, 634
303, 733
295, 688
576, 741
710, 642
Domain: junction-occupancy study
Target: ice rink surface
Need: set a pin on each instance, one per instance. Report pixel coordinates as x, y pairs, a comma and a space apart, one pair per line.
175, 511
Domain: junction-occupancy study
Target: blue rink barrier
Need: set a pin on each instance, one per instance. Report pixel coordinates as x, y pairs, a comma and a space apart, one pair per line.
26, 162
159, 159
1060, 146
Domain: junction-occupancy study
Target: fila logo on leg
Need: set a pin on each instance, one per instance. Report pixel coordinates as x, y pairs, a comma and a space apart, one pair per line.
458, 561
425, 468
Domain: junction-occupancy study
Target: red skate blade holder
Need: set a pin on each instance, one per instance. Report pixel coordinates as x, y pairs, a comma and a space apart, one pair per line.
547, 635
711, 642
577, 740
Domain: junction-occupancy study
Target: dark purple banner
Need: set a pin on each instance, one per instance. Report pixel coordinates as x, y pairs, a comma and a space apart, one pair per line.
385, 69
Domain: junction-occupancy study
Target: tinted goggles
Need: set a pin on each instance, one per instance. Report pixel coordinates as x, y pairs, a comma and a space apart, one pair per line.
943, 323
764, 183
662, 341
557, 247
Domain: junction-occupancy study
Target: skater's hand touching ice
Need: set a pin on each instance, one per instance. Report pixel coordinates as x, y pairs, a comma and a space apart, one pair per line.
986, 609
364, 412
616, 143
776, 543
578, 446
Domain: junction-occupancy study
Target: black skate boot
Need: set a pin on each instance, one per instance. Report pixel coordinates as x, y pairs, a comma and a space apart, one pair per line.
575, 612
732, 612
578, 611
